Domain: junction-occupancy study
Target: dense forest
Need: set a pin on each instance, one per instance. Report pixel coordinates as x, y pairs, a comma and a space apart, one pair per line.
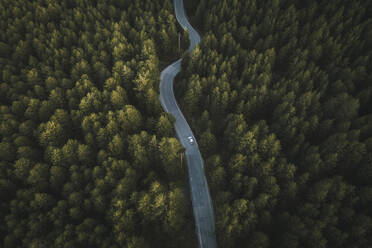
279, 95
87, 156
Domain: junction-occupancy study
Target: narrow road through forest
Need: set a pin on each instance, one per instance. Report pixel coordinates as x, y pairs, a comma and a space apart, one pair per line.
201, 200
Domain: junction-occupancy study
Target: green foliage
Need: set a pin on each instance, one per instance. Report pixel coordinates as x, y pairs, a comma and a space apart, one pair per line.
7, 151
84, 142
164, 126
277, 96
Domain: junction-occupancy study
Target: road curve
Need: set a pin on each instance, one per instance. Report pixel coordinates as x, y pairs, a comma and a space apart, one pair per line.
201, 200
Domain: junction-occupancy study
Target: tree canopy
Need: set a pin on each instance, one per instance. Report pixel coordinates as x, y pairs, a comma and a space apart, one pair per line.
87, 156
278, 94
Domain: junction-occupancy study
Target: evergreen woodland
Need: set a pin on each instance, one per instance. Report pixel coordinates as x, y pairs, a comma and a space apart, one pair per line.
279, 94
87, 156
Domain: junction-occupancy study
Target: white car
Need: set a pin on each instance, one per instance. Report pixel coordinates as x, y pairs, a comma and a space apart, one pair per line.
191, 140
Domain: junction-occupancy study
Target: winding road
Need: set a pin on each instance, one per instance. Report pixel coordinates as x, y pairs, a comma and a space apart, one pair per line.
201, 200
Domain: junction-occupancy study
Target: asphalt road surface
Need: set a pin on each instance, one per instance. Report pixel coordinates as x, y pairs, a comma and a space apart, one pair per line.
201, 200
